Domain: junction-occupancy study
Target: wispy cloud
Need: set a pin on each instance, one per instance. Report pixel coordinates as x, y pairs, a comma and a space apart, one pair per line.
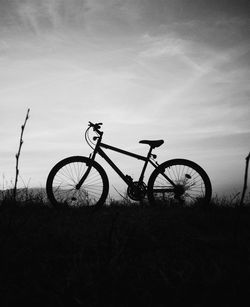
155, 69
210, 92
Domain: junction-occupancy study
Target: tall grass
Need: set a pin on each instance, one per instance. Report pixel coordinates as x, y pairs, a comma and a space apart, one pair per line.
123, 255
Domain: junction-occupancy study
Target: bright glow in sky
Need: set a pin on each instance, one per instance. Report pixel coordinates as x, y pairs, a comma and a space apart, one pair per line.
174, 69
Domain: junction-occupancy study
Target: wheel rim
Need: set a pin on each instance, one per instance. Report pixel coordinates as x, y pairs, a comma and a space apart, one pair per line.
189, 187
65, 181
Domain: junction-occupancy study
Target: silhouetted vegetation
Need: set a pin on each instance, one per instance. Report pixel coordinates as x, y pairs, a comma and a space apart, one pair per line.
18, 154
123, 255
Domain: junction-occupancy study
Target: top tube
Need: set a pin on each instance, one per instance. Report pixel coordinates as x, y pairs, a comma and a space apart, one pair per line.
128, 153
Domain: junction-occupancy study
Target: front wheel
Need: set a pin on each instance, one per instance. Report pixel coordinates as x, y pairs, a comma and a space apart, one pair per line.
179, 181
62, 183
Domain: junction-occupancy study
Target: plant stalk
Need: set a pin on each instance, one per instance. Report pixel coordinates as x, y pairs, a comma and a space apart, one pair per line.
18, 154
245, 180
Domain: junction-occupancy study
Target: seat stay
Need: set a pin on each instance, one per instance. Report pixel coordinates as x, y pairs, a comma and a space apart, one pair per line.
168, 179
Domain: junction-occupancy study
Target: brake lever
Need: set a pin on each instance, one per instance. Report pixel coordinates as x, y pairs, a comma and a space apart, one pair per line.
97, 126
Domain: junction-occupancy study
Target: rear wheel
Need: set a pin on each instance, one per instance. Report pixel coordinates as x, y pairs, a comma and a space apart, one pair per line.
188, 185
62, 183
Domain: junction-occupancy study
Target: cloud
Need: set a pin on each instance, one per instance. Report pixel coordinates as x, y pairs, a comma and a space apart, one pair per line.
173, 46
207, 94
36, 16
147, 69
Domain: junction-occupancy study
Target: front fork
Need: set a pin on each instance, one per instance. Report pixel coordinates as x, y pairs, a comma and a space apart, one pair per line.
91, 159
79, 184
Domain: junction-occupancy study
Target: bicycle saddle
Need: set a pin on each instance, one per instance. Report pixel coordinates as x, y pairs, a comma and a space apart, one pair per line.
153, 144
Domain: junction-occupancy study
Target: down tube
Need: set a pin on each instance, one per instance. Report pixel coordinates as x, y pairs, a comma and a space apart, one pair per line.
115, 168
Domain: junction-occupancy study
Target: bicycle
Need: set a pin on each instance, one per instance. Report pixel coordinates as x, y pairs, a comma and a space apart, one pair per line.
81, 181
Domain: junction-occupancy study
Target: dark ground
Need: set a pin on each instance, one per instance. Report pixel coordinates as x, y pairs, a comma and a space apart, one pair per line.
124, 256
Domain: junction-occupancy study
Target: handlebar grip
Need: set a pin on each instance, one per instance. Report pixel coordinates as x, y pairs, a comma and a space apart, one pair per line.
96, 127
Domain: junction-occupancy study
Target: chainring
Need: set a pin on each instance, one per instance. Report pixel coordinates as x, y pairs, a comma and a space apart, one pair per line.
137, 190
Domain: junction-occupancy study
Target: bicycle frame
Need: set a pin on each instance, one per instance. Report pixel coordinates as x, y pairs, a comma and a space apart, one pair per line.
126, 178
80, 180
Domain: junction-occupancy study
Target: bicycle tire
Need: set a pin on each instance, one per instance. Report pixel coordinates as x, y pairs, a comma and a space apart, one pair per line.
192, 184
63, 177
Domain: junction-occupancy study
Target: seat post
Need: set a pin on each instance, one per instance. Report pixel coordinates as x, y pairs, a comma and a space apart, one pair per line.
145, 164
149, 152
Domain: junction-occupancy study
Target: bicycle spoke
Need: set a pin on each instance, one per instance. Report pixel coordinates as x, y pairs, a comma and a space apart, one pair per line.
64, 178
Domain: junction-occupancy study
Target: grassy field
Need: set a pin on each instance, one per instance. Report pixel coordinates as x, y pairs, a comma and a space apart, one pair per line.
124, 256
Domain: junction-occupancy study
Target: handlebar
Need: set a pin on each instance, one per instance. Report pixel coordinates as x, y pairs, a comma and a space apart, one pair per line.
96, 128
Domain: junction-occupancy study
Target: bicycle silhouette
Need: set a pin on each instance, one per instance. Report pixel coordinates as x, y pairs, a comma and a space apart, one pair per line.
81, 181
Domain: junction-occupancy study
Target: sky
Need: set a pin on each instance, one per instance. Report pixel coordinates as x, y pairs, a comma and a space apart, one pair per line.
176, 70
